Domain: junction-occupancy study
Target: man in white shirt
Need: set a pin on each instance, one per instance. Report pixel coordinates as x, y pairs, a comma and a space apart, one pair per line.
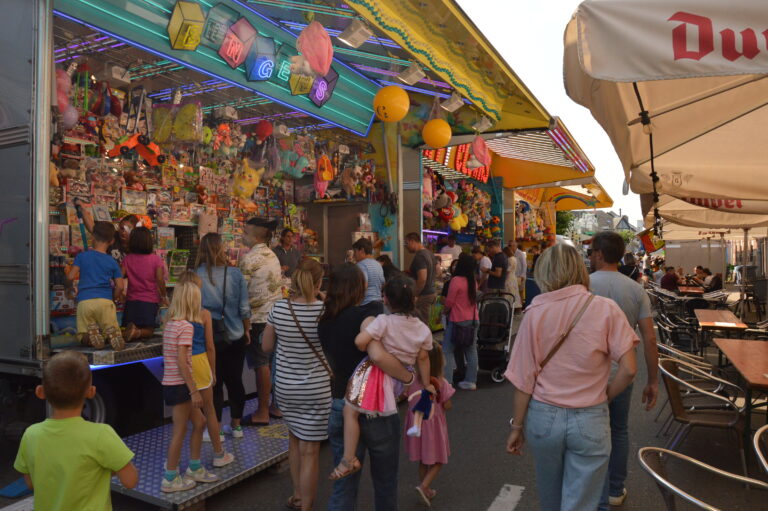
522, 265
483, 265
452, 248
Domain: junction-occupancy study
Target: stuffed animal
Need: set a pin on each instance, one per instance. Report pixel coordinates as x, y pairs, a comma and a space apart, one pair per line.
442, 200
350, 178
367, 179
223, 139
53, 174
202, 194
321, 185
246, 180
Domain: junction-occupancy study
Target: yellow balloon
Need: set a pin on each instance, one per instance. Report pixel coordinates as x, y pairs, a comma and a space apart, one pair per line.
436, 133
391, 103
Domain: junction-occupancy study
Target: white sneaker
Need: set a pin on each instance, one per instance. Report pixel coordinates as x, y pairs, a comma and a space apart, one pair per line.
178, 484
413, 431
207, 436
226, 429
226, 459
617, 501
467, 385
237, 432
201, 475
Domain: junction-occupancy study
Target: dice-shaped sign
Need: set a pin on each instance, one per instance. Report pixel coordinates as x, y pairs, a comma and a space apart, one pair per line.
237, 43
322, 89
219, 19
300, 84
260, 63
186, 25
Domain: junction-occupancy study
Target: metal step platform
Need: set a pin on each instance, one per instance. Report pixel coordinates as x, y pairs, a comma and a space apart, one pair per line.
260, 448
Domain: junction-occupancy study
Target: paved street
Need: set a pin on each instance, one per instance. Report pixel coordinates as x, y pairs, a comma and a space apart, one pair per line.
479, 468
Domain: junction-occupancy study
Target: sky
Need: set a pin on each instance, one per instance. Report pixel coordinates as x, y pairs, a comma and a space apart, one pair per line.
529, 35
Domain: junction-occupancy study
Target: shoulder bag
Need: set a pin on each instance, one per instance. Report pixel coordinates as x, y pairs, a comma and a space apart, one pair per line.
219, 328
564, 335
317, 353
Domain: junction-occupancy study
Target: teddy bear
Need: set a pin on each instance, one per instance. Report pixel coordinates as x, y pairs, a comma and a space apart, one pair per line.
350, 178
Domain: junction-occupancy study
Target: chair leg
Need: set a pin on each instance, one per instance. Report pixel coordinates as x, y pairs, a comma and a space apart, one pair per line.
740, 443
664, 425
661, 409
678, 439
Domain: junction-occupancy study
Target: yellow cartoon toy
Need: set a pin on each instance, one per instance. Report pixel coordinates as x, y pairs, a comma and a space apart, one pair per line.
246, 180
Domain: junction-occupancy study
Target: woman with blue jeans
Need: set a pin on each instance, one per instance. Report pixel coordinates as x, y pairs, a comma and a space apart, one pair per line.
379, 436
560, 365
461, 311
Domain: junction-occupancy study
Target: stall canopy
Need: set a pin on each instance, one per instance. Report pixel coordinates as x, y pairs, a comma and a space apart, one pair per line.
687, 214
440, 36
696, 70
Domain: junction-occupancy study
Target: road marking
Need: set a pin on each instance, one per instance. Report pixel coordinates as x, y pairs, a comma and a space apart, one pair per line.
508, 498
23, 505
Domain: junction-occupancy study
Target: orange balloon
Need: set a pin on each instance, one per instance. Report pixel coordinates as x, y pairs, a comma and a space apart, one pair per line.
391, 103
436, 133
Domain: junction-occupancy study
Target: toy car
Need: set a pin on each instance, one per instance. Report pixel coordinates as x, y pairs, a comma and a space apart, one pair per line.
147, 149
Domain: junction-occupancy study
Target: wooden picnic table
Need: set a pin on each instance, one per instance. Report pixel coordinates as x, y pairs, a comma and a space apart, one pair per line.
690, 290
750, 358
718, 319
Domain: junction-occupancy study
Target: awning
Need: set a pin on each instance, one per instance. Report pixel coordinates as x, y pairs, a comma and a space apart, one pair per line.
440, 36
585, 193
684, 213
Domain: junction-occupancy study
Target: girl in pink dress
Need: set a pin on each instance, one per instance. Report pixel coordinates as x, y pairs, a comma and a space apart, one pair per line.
432, 448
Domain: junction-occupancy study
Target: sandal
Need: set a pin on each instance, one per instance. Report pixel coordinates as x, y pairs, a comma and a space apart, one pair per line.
293, 503
115, 338
426, 494
349, 467
94, 338
131, 332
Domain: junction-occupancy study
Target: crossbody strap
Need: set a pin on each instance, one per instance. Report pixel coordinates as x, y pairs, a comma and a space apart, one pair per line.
319, 356
564, 335
224, 292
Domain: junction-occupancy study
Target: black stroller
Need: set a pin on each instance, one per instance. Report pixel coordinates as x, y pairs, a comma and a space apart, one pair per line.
494, 333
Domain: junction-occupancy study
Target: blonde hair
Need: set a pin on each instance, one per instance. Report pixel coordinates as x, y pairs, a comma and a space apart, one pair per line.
190, 276
186, 302
560, 266
306, 278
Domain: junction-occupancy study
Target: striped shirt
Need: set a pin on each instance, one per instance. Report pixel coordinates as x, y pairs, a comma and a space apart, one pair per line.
177, 333
302, 384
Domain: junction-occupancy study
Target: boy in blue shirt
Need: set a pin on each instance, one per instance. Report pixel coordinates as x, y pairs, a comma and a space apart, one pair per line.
101, 282
65, 459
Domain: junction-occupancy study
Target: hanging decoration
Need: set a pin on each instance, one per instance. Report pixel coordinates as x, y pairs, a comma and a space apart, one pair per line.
436, 133
316, 49
391, 104
186, 26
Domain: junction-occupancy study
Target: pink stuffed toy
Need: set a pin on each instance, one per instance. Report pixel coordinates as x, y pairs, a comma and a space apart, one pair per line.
315, 46
63, 87
480, 151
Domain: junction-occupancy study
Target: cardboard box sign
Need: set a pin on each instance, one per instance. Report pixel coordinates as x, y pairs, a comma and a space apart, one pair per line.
186, 25
300, 84
260, 63
237, 43
322, 89
219, 19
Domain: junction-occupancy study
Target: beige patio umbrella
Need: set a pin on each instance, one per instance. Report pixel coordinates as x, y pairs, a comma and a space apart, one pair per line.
680, 88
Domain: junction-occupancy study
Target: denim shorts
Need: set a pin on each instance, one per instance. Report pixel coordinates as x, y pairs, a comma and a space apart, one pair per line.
175, 394
256, 356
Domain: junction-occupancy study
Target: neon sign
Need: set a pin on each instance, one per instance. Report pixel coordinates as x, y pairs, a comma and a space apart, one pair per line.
322, 89
260, 63
237, 43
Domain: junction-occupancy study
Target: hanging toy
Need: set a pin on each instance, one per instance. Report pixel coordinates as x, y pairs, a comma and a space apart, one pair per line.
436, 133
316, 50
246, 180
263, 130
68, 112
321, 186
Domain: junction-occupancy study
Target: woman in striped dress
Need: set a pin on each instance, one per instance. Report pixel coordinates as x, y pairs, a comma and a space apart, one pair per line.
302, 378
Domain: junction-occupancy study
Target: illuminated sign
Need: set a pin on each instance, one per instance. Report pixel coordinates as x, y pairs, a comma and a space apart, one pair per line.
460, 164
186, 26
232, 38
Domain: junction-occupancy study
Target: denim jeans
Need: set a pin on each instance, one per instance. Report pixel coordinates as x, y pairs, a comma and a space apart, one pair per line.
617, 467
571, 447
450, 355
379, 436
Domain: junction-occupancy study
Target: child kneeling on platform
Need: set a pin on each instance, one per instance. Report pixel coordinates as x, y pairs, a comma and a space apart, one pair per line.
101, 282
67, 460
188, 356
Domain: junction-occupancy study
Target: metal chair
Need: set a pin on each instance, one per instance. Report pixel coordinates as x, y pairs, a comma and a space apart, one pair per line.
720, 412
760, 441
654, 461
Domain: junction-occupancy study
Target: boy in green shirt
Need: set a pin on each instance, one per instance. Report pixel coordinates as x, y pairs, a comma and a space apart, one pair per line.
66, 460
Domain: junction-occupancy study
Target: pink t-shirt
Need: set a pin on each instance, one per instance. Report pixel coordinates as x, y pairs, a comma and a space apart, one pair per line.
142, 283
457, 301
577, 375
402, 336
177, 333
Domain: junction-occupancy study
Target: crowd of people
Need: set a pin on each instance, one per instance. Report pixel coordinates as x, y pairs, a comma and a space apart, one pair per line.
343, 354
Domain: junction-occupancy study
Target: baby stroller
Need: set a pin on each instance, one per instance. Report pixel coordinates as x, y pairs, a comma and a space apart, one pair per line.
494, 333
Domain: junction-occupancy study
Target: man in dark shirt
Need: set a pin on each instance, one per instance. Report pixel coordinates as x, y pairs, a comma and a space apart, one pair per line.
422, 270
497, 274
288, 255
669, 280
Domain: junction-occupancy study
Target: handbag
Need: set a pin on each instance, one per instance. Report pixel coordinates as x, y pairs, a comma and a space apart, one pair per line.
219, 328
463, 336
319, 356
564, 335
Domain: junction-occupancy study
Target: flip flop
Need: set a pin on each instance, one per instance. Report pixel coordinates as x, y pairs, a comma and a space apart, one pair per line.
250, 422
293, 503
424, 496
276, 415
353, 465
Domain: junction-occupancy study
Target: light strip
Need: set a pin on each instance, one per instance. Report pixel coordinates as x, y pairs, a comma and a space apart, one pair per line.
416, 89
387, 72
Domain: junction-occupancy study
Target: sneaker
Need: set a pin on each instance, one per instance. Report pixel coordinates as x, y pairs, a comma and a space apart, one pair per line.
207, 436
226, 429
94, 338
237, 432
178, 484
467, 385
225, 459
201, 475
115, 338
617, 501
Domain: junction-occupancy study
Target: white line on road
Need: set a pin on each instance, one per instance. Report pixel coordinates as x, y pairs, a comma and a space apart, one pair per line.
508, 498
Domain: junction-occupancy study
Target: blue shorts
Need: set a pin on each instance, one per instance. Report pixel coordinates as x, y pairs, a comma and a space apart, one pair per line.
141, 314
175, 394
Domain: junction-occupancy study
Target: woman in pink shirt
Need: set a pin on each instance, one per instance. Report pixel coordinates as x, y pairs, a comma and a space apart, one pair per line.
563, 406
145, 272
461, 310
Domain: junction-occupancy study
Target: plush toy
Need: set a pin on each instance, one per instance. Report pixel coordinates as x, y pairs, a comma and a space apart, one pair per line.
442, 199
263, 130
68, 112
246, 180
53, 174
133, 180
350, 178
423, 409
321, 185
445, 214
223, 139
367, 179
202, 194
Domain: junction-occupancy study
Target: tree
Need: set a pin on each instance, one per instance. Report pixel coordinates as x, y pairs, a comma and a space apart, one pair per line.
564, 222
627, 235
